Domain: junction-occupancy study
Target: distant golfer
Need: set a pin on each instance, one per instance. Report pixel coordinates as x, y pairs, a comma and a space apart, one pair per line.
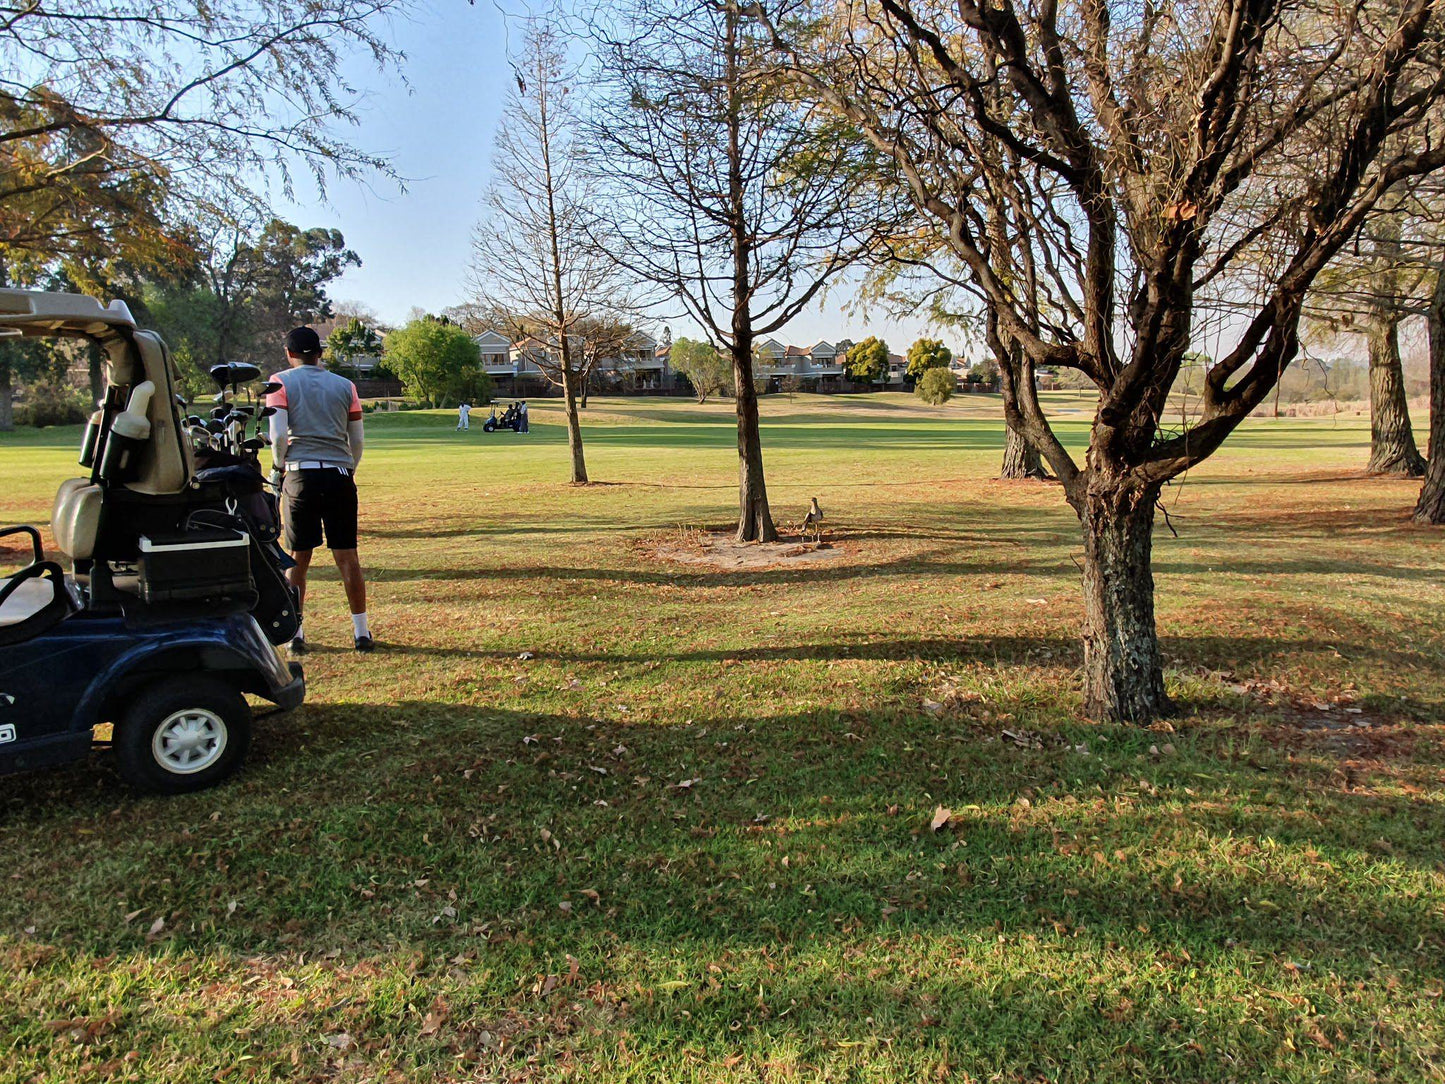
523, 427
317, 439
464, 417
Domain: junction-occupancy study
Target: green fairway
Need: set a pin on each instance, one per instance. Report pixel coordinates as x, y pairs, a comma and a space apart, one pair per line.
592, 814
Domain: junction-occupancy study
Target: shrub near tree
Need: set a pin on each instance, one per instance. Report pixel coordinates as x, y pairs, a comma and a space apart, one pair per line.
926, 354
935, 386
706, 370
867, 361
437, 361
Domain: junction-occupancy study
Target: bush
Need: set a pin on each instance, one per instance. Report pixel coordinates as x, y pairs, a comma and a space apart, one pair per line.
52, 403
935, 386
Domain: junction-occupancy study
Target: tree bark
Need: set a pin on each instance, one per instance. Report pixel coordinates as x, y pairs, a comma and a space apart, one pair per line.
755, 519
1020, 460
1392, 441
7, 395
574, 428
1431, 507
1123, 669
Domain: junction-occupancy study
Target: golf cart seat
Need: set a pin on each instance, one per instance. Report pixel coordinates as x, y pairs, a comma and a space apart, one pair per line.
36, 598
75, 518
28, 598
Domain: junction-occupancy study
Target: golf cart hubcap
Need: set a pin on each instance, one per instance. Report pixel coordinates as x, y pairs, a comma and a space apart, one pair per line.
189, 741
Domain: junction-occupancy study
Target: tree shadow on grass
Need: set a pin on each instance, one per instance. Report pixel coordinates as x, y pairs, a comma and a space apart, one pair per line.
1181, 652
358, 825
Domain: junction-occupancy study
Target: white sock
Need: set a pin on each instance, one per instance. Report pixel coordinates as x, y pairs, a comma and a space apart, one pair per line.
299, 635
359, 627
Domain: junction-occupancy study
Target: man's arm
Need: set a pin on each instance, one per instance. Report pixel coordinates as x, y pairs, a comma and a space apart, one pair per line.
280, 426
280, 438
356, 433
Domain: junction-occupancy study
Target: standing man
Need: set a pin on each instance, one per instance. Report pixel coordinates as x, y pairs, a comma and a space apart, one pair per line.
525, 426
317, 438
464, 416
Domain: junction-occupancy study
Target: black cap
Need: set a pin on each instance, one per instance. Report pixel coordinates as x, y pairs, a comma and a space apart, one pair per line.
303, 342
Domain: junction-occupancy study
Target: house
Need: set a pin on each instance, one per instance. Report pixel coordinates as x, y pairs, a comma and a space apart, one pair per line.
813, 368
496, 351
641, 365
525, 367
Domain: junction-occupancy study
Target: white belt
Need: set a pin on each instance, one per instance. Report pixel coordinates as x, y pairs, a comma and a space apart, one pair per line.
315, 464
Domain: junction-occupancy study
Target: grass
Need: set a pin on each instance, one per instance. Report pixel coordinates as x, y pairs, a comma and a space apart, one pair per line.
591, 815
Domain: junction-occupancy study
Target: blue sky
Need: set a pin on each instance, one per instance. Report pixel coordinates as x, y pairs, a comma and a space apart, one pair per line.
437, 128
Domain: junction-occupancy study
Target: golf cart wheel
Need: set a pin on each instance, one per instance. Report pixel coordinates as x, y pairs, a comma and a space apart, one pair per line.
182, 735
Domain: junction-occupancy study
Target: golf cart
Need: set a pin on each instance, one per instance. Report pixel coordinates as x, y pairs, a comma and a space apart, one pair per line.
173, 601
511, 419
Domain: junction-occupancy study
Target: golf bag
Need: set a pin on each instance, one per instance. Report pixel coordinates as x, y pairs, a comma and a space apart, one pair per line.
249, 506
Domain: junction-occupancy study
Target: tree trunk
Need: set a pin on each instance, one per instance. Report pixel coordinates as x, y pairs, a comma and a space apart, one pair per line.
574, 428
1019, 458
586, 388
1392, 441
7, 394
755, 519
1431, 506
1123, 670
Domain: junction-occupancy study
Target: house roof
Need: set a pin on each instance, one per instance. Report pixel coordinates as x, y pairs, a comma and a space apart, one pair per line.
798, 351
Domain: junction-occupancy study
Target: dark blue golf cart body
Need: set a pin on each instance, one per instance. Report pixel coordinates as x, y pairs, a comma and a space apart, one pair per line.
56, 688
171, 602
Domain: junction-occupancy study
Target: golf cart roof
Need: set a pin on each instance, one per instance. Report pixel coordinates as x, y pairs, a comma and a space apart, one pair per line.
36, 310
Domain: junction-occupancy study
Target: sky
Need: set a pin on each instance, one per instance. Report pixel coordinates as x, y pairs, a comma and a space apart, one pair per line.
437, 128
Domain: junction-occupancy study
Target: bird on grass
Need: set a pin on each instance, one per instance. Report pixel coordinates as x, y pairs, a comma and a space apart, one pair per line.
812, 522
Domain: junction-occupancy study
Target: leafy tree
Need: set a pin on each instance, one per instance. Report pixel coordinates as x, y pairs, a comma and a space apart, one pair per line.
927, 354
283, 274
32, 361
265, 278
437, 361
188, 317
985, 372
936, 385
706, 370
351, 340
114, 111
867, 361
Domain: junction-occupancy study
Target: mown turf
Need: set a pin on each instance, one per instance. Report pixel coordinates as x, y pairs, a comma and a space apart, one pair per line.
593, 815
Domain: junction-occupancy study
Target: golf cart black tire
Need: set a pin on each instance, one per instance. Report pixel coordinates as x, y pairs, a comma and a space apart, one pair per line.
134, 734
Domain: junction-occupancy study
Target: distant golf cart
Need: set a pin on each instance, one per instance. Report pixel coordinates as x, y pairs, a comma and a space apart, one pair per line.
174, 600
511, 419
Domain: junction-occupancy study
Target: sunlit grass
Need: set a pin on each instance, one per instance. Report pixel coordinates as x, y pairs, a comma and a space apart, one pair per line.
688, 837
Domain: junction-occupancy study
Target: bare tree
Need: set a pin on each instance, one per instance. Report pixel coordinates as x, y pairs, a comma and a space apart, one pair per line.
536, 255
1097, 169
1371, 288
733, 199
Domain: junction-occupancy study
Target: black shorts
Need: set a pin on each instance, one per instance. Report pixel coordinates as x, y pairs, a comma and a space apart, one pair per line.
313, 499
